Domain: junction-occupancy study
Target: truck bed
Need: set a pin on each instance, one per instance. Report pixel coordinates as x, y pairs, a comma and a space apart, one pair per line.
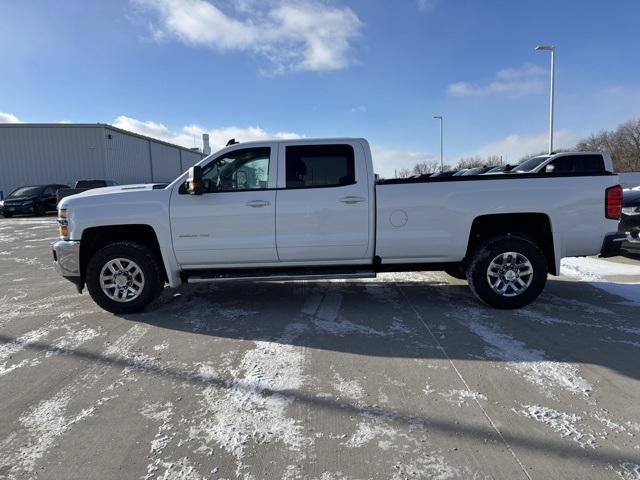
426, 219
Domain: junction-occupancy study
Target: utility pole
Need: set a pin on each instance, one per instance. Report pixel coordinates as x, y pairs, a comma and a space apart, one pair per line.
552, 49
439, 117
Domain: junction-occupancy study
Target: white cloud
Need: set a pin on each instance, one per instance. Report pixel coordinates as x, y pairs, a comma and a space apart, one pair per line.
515, 147
9, 118
191, 135
292, 35
386, 161
512, 82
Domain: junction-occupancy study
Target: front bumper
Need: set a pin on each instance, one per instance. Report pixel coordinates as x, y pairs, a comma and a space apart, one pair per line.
66, 258
17, 209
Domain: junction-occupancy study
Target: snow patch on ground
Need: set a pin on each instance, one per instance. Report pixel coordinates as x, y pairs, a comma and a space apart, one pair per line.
566, 424
371, 429
587, 267
343, 327
595, 271
460, 397
50, 419
348, 388
627, 470
180, 470
531, 363
432, 466
253, 407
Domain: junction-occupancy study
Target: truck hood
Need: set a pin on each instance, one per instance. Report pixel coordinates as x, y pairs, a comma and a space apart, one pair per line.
106, 194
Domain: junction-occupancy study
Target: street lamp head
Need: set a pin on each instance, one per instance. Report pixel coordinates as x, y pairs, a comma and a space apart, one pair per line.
546, 47
439, 117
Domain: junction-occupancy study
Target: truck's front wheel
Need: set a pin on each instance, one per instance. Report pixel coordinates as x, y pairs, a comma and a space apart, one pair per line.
507, 272
124, 277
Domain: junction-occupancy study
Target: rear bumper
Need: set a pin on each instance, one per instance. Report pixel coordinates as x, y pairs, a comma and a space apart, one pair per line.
611, 247
66, 259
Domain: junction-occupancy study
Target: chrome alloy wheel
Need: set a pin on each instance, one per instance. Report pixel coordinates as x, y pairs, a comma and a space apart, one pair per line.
510, 274
121, 280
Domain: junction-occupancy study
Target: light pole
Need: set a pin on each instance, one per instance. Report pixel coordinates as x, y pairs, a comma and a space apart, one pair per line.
439, 117
552, 92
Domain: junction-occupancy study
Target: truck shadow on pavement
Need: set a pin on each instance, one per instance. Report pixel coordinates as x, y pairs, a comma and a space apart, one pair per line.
572, 322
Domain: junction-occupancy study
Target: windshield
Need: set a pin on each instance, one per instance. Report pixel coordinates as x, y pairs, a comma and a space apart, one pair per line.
26, 192
530, 164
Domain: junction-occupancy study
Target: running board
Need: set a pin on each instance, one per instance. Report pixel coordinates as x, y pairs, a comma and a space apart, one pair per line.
274, 275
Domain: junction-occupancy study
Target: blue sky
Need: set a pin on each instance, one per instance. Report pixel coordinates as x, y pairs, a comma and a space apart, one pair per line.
372, 68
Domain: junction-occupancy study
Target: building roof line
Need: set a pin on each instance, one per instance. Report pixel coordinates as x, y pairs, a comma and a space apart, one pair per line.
98, 125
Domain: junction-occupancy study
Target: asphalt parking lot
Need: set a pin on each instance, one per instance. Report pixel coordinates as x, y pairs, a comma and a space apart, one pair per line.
405, 376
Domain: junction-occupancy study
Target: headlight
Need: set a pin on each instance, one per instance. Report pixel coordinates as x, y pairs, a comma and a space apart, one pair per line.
63, 223
631, 210
1, 203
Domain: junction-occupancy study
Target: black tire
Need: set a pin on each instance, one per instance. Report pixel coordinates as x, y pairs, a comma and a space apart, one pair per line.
40, 210
477, 272
149, 264
7, 215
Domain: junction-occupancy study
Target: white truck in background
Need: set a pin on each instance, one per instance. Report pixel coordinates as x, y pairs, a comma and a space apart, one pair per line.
313, 209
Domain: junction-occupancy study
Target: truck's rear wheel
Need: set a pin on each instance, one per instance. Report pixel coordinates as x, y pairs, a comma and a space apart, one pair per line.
124, 277
507, 272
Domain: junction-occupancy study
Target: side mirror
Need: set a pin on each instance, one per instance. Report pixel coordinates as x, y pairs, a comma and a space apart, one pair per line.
195, 185
549, 168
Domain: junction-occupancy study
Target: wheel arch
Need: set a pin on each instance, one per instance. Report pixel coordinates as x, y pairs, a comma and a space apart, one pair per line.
533, 226
94, 238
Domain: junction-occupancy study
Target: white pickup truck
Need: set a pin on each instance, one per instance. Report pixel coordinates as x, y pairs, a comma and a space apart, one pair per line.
313, 209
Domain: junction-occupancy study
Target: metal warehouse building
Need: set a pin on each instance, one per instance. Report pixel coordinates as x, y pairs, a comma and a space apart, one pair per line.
32, 154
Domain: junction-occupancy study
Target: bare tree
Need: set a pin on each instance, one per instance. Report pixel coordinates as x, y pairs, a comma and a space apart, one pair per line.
623, 144
426, 167
470, 162
404, 173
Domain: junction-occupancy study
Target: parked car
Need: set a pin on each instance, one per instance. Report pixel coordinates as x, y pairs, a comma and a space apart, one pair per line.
31, 199
630, 221
478, 170
566, 162
83, 186
446, 173
312, 209
499, 169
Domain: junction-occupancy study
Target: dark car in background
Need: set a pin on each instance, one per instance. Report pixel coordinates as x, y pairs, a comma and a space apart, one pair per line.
30, 199
83, 186
630, 221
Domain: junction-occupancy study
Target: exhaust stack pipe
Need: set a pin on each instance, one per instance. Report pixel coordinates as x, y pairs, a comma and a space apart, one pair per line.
206, 147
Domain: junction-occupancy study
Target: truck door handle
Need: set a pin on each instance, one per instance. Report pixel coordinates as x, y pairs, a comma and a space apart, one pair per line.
258, 203
350, 200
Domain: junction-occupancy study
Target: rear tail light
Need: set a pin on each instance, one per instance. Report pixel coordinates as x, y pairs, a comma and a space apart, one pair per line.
613, 203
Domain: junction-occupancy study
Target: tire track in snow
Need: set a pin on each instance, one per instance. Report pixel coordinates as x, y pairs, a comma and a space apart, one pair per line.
42, 425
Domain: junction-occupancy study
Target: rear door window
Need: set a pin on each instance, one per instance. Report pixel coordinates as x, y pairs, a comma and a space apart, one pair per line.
578, 164
313, 166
